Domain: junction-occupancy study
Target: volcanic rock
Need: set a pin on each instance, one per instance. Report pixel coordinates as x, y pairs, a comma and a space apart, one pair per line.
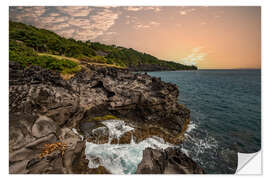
44, 108
168, 161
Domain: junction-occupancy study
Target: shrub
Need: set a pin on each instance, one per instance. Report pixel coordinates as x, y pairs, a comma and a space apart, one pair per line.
26, 56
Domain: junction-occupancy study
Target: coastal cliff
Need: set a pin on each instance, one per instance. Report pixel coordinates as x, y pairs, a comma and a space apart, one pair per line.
51, 118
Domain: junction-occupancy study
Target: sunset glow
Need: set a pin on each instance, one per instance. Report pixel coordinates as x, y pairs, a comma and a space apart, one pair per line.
208, 37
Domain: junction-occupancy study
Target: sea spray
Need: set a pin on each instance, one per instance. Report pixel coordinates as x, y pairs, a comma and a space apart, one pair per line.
199, 147
191, 126
120, 158
116, 129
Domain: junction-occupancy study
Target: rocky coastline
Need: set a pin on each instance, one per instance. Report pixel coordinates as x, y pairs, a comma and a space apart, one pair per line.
52, 118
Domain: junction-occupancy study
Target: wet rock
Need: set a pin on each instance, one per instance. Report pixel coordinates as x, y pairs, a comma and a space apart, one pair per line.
44, 126
43, 108
168, 161
126, 138
138, 97
100, 135
20, 159
68, 137
20, 130
80, 163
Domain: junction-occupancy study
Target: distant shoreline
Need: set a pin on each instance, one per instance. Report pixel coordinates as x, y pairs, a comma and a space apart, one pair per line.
233, 69
197, 70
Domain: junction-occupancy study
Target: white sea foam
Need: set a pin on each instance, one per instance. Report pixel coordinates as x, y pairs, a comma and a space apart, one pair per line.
76, 132
197, 146
185, 151
120, 158
191, 126
200, 144
116, 128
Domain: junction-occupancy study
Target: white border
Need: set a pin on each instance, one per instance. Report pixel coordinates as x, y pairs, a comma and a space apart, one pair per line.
265, 74
139, 2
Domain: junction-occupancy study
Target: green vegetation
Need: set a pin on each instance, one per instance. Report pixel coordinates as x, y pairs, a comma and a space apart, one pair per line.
103, 118
26, 56
31, 40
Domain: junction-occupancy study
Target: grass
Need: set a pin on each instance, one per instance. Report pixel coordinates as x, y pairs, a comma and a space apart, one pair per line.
60, 57
64, 66
79, 61
26, 56
67, 66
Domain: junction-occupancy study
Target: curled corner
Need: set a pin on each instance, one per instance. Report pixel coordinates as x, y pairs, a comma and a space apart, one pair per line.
249, 163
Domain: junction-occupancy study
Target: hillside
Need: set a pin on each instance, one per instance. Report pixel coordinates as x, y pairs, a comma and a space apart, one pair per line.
31, 45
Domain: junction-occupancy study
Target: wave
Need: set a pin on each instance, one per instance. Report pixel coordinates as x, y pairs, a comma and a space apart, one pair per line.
200, 146
120, 158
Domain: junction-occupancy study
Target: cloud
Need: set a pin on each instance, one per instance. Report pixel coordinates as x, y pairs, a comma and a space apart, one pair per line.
37, 10
95, 26
78, 22
27, 14
153, 23
141, 26
49, 20
156, 9
140, 8
195, 56
86, 34
58, 27
75, 10
186, 11
146, 26
111, 33
88, 23
134, 8
67, 33
104, 20
131, 19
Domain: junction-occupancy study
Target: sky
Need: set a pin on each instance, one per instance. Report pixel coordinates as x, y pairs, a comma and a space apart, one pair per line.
205, 36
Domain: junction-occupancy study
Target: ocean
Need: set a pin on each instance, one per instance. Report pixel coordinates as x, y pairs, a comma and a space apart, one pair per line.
225, 110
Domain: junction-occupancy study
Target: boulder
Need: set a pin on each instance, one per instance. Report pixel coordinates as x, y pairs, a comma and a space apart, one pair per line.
44, 126
168, 161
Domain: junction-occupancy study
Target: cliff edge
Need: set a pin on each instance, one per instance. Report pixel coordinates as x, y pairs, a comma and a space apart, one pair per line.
52, 118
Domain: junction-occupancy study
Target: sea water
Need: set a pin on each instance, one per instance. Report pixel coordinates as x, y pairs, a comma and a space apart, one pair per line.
225, 110
120, 158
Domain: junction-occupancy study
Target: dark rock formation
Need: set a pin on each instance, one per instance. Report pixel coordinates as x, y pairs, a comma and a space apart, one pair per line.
44, 108
168, 161
97, 91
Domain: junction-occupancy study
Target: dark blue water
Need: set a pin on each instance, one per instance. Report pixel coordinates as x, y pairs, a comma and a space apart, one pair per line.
225, 110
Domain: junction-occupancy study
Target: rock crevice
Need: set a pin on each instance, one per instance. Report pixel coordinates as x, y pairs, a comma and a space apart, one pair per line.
44, 108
